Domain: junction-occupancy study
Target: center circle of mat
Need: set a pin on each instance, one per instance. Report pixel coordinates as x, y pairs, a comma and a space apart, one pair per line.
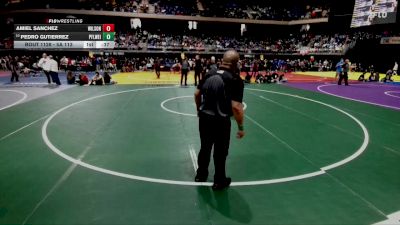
321, 171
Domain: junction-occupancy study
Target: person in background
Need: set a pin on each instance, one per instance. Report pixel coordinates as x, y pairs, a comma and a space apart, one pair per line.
377, 77
70, 78
362, 76
175, 67
395, 68
184, 71
371, 77
345, 74
97, 79
54, 70
63, 63
388, 76
45, 65
157, 68
204, 68
260, 78
14, 69
254, 68
83, 79
98, 63
198, 67
372, 69
3, 63
108, 80
339, 69
213, 65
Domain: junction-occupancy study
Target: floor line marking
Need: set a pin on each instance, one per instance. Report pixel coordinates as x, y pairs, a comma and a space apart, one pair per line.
280, 140
336, 127
364, 129
59, 182
310, 117
333, 177
319, 88
28, 125
392, 219
63, 178
388, 93
184, 114
370, 204
194, 158
376, 118
189, 183
24, 96
391, 150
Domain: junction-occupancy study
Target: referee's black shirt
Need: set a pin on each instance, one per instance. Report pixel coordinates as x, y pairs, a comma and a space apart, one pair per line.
218, 90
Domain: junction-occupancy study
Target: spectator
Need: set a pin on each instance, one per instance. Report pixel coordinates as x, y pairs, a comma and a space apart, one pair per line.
14, 70
83, 79
63, 63
3, 63
70, 78
388, 76
184, 71
108, 80
97, 79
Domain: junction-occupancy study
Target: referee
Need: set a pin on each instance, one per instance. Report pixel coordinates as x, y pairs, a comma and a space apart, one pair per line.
345, 74
218, 97
44, 63
198, 68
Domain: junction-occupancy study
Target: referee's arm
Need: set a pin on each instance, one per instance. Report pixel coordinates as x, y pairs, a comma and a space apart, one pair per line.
197, 99
237, 106
238, 114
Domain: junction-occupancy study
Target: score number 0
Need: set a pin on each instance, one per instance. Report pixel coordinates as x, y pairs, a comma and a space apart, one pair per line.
108, 28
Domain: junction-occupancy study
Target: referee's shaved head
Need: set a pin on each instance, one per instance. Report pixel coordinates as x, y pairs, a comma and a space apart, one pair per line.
230, 60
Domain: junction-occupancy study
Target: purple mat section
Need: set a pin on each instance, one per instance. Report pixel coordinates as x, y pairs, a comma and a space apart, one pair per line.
384, 95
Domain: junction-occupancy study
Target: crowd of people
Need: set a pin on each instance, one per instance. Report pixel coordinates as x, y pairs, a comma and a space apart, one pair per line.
210, 8
50, 66
261, 69
306, 43
262, 10
374, 76
83, 79
301, 43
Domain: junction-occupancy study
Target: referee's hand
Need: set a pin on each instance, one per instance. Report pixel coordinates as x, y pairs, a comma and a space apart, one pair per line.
240, 134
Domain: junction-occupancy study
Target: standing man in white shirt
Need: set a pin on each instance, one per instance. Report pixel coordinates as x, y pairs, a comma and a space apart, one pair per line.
45, 65
64, 63
54, 70
395, 68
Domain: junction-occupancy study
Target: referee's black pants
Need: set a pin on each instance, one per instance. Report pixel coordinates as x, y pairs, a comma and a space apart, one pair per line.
197, 76
344, 76
214, 131
14, 74
47, 73
55, 78
184, 74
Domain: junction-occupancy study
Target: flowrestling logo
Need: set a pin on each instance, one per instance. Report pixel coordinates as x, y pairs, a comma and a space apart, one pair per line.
380, 15
65, 21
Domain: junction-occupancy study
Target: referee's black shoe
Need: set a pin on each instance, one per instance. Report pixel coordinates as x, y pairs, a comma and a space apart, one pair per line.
220, 185
201, 177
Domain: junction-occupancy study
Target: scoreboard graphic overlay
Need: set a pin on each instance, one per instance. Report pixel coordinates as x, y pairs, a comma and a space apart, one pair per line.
371, 12
64, 36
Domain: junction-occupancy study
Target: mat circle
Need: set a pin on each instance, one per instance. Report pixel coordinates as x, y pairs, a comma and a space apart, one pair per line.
321, 171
